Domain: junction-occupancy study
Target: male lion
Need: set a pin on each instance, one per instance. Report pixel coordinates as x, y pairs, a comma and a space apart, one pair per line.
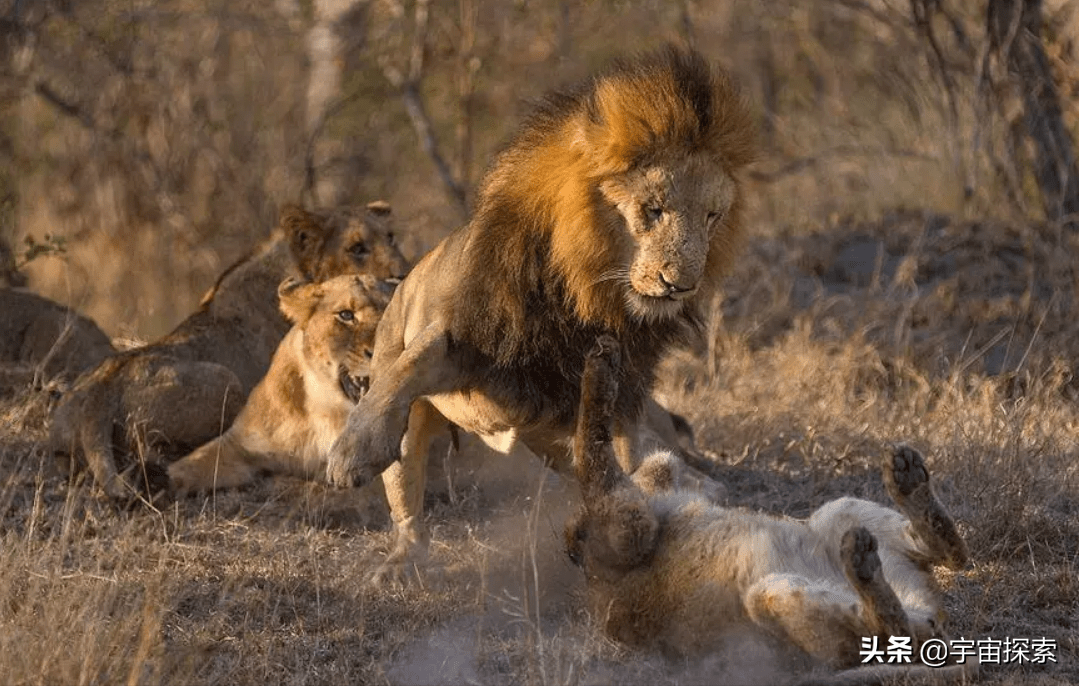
669, 570
186, 388
295, 413
616, 208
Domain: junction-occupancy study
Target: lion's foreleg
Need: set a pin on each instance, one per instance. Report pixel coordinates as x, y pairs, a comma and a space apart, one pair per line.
618, 529
371, 441
221, 463
597, 469
627, 444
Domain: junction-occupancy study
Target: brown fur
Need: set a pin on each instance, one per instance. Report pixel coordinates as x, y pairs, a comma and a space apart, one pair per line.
615, 209
299, 408
667, 570
186, 388
42, 340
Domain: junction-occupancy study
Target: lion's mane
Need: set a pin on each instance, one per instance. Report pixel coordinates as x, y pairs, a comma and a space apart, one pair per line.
541, 224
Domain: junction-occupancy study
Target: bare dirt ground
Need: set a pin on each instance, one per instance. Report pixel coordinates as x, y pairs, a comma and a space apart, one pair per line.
958, 337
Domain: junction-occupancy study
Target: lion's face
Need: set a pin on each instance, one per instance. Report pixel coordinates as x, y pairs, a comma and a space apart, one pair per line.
346, 241
338, 318
674, 212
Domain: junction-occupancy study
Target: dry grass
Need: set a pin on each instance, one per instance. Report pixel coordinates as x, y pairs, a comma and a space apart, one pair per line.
837, 338
824, 358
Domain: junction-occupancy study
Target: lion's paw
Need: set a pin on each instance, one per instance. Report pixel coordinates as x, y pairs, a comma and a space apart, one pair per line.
392, 574
859, 551
369, 444
905, 473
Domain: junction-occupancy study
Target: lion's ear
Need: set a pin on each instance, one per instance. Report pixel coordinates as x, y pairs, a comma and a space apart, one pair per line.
298, 299
306, 233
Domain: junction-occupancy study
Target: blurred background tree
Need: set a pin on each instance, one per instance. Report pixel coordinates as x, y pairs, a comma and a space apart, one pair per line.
159, 138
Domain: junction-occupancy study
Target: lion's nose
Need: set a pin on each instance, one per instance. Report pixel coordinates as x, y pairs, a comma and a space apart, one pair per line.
674, 289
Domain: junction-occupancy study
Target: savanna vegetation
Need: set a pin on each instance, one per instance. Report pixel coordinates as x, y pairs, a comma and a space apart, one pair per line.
910, 277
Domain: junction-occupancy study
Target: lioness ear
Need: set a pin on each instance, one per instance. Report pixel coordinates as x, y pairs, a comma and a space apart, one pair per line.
298, 299
305, 232
379, 208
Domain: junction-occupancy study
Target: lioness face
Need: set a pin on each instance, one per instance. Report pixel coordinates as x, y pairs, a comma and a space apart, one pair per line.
348, 241
673, 210
338, 318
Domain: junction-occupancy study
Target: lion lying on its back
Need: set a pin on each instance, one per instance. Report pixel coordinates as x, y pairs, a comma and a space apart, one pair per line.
186, 388
295, 413
669, 570
616, 208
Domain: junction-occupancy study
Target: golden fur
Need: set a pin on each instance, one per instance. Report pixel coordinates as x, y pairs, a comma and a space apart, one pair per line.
298, 409
615, 209
668, 570
186, 388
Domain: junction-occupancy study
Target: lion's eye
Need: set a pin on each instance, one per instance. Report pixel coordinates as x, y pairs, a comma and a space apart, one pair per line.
654, 212
347, 316
358, 249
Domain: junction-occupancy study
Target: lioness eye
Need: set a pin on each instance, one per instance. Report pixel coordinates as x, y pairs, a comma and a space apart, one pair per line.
358, 249
654, 212
346, 315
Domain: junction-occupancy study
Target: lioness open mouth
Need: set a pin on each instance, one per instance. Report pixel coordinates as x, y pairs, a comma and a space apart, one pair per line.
353, 386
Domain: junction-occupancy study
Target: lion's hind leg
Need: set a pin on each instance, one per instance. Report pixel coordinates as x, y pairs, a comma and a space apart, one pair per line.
907, 481
405, 482
819, 616
826, 615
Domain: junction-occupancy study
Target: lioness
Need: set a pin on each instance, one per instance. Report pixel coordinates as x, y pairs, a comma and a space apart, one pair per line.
669, 570
43, 340
298, 409
616, 208
186, 388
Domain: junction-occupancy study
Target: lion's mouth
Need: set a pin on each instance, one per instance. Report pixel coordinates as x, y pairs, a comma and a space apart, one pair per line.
655, 307
353, 386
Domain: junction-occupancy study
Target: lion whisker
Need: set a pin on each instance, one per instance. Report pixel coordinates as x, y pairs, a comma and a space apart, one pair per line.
618, 274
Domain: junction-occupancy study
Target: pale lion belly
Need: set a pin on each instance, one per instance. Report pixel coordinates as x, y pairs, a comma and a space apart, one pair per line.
476, 413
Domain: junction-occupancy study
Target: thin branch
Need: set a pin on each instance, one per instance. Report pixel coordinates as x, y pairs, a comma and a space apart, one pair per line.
923, 11
68, 108
409, 90
421, 123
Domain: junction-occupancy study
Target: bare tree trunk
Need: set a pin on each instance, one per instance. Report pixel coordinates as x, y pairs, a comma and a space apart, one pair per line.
1015, 28
467, 66
322, 186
